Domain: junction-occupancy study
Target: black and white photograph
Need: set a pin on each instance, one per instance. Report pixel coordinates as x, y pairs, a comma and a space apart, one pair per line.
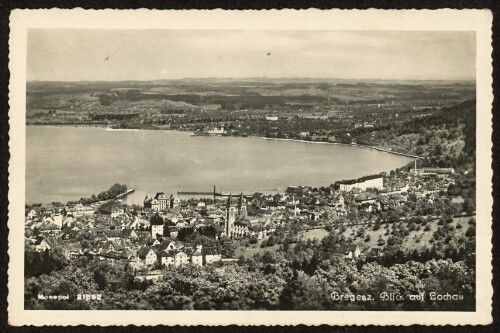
251, 169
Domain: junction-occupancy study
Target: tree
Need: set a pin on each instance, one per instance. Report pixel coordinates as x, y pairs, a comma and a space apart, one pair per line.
468, 206
471, 232
100, 279
228, 249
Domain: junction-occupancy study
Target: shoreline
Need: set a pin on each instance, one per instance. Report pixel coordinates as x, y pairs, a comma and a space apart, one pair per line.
343, 144
383, 150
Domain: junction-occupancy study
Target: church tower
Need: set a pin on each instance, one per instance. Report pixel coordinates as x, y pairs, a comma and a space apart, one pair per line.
242, 208
294, 207
230, 216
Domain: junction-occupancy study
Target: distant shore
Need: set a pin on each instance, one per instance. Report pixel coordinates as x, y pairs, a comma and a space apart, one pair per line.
250, 136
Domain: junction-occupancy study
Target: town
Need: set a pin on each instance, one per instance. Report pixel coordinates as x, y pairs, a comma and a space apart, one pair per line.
170, 232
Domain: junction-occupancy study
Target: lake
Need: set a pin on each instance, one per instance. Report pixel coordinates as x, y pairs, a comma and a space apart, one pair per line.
67, 163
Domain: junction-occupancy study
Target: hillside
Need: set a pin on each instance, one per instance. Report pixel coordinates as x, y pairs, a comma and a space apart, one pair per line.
446, 138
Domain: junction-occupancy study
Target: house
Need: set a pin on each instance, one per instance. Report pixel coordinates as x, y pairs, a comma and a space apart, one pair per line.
167, 245
49, 228
149, 276
365, 198
72, 250
112, 234
139, 224
349, 251
165, 258
197, 256
128, 233
180, 258
174, 231
135, 262
210, 255
143, 235
147, 256
49, 243
117, 211
114, 258
119, 245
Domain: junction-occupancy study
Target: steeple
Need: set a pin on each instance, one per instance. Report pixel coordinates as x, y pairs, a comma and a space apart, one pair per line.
294, 207
242, 208
240, 202
230, 216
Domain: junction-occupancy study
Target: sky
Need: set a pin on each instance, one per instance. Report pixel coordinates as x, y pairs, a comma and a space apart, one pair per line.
114, 55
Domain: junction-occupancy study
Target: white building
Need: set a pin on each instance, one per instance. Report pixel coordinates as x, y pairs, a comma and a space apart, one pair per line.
58, 220
375, 181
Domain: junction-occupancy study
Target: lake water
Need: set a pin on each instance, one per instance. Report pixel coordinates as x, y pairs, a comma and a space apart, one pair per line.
67, 163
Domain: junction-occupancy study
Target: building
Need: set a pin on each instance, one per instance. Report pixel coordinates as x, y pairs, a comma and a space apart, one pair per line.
242, 207
363, 183
232, 213
58, 220
147, 256
157, 225
49, 243
163, 201
180, 258
165, 258
271, 118
197, 256
210, 255
210, 107
49, 228
114, 258
117, 211
433, 172
230, 217
72, 250
160, 202
349, 251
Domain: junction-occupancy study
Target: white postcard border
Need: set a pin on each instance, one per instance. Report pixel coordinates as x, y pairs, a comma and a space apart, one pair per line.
430, 20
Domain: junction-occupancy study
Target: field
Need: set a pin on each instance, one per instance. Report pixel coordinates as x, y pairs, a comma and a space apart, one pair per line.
312, 234
416, 239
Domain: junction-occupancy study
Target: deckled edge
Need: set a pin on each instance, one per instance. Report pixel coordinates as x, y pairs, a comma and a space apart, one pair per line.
4, 170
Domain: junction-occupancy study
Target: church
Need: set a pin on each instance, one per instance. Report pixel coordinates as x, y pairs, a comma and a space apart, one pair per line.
234, 218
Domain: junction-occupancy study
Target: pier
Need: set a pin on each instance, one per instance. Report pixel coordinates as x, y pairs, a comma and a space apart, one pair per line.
195, 193
213, 193
130, 190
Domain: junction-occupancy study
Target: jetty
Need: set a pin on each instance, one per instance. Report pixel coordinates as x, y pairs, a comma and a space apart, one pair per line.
213, 193
195, 193
127, 192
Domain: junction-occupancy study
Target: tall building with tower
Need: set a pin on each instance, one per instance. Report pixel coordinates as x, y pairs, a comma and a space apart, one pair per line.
157, 225
242, 207
232, 212
230, 216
